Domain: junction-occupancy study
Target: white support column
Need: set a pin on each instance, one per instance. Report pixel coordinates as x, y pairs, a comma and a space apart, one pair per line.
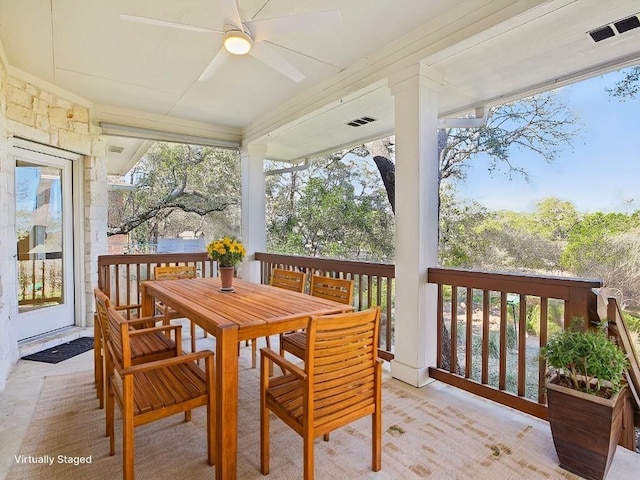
254, 230
416, 130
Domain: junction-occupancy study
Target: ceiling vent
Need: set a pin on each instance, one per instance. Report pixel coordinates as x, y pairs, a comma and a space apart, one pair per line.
619, 26
360, 121
115, 149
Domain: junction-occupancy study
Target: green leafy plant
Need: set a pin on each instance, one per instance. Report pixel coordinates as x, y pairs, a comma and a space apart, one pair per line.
587, 358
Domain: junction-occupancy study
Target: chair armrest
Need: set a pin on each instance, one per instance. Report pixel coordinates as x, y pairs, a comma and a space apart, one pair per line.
282, 363
143, 320
134, 306
146, 331
168, 362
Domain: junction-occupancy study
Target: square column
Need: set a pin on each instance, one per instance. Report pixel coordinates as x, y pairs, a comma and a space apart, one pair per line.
253, 217
417, 203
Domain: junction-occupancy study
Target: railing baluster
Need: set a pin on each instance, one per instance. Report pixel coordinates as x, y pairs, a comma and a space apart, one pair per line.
439, 327
469, 339
453, 361
522, 345
542, 363
502, 372
390, 283
485, 337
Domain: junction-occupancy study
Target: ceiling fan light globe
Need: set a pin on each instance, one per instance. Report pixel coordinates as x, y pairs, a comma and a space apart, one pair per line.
237, 42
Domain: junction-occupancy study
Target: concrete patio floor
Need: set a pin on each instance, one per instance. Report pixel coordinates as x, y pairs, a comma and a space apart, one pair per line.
19, 399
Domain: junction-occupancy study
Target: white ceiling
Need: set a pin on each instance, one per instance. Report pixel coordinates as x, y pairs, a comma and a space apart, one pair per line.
484, 52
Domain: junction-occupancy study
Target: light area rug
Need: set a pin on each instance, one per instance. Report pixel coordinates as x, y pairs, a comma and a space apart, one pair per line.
436, 432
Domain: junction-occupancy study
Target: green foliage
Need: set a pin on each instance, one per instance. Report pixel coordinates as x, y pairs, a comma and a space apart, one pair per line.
473, 237
588, 239
554, 218
338, 208
587, 353
632, 322
461, 239
179, 187
555, 321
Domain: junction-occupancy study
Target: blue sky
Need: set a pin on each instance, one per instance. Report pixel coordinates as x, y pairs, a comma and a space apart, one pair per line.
601, 172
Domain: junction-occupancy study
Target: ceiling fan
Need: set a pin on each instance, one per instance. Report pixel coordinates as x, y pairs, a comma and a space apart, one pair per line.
251, 37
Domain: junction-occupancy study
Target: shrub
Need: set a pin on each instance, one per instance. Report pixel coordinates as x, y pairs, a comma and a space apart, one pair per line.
586, 353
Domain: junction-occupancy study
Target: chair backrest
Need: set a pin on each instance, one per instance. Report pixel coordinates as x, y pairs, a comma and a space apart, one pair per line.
102, 304
288, 279
336, 289
341, 357
175, 273
119, 345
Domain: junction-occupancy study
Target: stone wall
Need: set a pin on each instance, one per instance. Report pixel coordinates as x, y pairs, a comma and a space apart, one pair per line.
8, 299
38, 114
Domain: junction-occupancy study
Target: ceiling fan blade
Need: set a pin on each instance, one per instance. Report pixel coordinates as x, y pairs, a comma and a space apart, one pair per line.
267, 54
214, 65
229, 10
164, 23
275, 27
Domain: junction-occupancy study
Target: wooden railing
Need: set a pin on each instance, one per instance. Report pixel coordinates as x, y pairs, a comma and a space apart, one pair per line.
619, 330
40, 282
119, 276
374, 285
491, 327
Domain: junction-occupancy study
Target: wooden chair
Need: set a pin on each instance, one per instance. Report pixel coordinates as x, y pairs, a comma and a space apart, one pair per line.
150, 391
289, 280
176, 273
155, 346
341, 382
336, 289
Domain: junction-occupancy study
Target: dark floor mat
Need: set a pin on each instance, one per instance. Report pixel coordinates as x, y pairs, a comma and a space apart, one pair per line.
62, 352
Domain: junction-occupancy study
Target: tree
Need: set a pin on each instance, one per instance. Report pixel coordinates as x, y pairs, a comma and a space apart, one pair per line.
178, 187
540, 124
629, 86
335, 209
555, 218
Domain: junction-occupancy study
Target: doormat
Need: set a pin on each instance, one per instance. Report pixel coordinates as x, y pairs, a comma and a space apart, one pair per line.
62, 352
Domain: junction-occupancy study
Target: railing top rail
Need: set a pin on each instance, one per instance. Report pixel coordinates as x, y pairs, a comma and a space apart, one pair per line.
142, 258
525, 284
329, 264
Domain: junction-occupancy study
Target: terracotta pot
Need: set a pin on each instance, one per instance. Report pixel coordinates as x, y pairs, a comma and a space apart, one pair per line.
226, 277
585, 429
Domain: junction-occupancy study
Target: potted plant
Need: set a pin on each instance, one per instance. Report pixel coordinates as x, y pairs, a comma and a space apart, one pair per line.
228, 252
586, 395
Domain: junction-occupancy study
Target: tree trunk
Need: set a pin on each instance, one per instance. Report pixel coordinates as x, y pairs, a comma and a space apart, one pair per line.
387, 171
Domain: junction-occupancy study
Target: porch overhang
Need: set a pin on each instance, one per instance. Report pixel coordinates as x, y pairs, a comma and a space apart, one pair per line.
484, 53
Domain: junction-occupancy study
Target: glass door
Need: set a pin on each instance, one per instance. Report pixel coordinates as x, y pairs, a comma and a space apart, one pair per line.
44, 243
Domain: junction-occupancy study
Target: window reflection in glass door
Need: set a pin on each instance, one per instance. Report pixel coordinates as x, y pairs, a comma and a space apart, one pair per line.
39, 235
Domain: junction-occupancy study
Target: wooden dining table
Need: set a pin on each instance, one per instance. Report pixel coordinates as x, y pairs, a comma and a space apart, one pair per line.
252, 310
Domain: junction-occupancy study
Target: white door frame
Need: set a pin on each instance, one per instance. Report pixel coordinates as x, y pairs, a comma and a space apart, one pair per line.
39, 153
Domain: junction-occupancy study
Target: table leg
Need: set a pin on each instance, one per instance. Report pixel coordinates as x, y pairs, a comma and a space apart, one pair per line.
227, 402
146, 302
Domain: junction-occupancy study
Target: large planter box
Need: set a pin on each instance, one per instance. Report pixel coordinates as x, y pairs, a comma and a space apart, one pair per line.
585, 429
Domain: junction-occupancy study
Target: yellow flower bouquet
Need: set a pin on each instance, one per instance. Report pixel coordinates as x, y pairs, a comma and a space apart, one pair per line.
227, 251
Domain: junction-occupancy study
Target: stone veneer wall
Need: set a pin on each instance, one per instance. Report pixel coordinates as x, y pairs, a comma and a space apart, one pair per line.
8, 299
34, 113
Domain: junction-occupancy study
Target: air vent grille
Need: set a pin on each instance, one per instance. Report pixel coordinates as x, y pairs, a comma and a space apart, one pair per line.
619, 26
116, 149
358, 122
